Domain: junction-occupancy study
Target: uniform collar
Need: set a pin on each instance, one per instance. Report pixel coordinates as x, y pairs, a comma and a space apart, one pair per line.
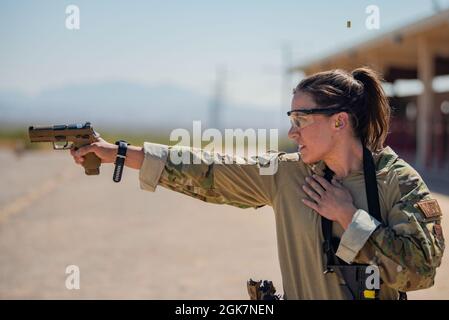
383, 160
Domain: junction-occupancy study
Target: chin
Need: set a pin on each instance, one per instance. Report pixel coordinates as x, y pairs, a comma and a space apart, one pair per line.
308, 158
305, 158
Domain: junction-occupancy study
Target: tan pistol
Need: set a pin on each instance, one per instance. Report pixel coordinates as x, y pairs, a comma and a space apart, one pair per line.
65, 137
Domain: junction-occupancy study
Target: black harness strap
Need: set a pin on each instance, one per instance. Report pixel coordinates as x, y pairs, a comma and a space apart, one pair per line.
369, 170
372, 193
326, 227
330, 244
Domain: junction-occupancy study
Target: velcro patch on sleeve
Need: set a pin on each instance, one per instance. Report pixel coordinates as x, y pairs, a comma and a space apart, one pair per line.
430, 208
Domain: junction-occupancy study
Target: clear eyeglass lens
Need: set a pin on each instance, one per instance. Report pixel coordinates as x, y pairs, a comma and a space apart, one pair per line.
298, 121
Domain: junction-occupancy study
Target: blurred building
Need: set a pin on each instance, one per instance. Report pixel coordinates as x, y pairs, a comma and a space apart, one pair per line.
420, 123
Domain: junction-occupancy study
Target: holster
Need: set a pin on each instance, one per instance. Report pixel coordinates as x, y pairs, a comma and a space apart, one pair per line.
355, 277
261, 290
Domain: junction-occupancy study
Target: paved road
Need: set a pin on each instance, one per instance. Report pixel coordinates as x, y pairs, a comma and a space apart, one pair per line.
129, 243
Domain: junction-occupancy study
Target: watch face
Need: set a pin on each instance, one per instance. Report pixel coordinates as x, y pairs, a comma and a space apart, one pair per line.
121, 142
122, 147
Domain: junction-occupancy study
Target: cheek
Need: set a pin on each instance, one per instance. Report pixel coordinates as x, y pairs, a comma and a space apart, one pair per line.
317, 134
318, 139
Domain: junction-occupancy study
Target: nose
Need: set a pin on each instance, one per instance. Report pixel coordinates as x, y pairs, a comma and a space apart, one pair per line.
293, 133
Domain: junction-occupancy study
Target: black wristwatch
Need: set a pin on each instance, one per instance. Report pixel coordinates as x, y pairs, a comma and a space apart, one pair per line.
120, 160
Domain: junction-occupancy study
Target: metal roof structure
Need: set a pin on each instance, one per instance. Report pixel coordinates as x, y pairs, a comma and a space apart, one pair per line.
395, 54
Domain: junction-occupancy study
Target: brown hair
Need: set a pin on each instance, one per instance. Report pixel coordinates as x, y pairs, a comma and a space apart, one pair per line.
361, 92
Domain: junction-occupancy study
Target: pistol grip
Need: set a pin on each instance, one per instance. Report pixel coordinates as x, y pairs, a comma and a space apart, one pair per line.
91, 164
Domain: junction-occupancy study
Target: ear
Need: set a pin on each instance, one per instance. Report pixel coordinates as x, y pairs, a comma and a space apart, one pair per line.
340, 120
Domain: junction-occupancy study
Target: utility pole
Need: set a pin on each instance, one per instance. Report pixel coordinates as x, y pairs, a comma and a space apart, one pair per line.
218, 98
436, 5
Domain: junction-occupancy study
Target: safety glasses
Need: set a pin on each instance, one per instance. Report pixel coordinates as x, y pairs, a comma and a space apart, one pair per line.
301, 118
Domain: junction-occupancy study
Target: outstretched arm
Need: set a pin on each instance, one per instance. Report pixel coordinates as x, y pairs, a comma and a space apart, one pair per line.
214, 178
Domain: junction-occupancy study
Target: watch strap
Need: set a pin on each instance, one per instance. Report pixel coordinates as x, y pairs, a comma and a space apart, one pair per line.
120, 160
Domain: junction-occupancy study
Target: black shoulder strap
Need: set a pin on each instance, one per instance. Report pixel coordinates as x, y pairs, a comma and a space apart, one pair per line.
369, 171
330, 244
372, 194
326, 228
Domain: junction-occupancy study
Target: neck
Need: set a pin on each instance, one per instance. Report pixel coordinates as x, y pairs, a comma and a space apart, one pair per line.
345, 158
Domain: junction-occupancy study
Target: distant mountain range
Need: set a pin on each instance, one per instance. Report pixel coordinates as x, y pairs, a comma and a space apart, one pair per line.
125, 105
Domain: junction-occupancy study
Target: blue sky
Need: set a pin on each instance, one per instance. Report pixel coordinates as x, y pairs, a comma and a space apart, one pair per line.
181, 42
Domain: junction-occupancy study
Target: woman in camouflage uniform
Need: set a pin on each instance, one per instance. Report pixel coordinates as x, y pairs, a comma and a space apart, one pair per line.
334, 115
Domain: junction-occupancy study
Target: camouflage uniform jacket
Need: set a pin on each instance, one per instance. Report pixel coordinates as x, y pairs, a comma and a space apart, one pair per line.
407, 245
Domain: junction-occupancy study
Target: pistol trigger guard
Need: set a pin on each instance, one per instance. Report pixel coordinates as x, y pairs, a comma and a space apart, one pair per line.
66, 146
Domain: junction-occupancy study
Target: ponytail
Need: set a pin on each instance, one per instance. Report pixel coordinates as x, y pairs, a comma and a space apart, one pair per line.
374, 118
